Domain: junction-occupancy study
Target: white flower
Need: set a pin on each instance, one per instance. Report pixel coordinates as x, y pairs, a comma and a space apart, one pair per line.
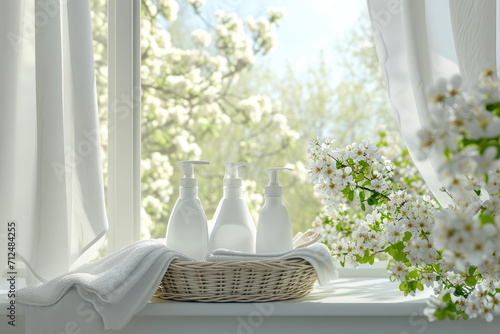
276, 13
171, 8
473, 307
201, 38
433, 304
428, 279
487, 161
493, 185
437, 91
492, 205
485, 126
399, 269
436, 303
197, 3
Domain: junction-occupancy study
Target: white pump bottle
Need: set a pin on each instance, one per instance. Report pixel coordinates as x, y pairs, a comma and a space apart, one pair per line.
187, 230
274, 230
234, 228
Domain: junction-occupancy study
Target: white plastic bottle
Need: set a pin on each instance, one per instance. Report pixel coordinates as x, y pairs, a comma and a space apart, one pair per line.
187, 230
274, 230
234, 228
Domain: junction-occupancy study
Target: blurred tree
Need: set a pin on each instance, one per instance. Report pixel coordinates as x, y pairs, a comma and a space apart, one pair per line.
349, 109
205, 96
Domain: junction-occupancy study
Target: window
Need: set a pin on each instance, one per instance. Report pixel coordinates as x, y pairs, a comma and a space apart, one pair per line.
222, 87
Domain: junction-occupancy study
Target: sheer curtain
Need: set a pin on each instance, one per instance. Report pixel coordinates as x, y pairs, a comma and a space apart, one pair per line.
50, 167
419, 41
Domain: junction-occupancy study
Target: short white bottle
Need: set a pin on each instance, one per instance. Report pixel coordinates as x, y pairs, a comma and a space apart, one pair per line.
233, 228
274, 230
187, 229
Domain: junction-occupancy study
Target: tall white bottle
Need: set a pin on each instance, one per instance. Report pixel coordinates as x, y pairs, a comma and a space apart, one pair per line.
187, 229
234, 228
274, 230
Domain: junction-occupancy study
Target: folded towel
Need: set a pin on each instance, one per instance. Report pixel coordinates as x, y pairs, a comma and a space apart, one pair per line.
305, 239
118, 285
318, 255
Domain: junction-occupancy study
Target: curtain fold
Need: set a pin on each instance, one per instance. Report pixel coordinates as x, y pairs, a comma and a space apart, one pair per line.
474, 33
50, 170
421, 41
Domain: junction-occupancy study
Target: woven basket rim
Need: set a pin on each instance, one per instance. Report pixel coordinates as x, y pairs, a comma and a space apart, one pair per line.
178, 261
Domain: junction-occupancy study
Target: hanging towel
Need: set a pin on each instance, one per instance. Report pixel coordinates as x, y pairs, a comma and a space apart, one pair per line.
118, 285
318, 255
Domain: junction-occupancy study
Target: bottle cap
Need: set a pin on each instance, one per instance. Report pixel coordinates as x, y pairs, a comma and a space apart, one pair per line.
231, 178
273, 188
187, 168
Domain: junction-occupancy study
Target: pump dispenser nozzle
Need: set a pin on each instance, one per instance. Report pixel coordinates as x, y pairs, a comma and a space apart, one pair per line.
231, 178
187, 168
274, 188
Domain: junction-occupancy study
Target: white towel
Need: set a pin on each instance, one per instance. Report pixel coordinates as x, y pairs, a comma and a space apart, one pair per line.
318, 255
118, 285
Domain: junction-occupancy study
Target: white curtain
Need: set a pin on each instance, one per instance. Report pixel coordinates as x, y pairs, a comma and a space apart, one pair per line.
50, 167
419, 41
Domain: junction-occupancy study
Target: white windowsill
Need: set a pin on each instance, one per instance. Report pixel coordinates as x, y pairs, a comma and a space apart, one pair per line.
355, 296
345, 297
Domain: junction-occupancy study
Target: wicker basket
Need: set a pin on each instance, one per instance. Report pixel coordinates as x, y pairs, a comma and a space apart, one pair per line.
237, 281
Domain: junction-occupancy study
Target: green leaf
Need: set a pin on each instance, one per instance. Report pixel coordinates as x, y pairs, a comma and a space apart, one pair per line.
371, 259
470, 281
413, 274
402, 287
363, 207
486, 219
350, 195
440, 314
411, 286
407, 236
420, 286
493, 106
396, 252
371, 201
360, 177
447, 298
448, 153
362, 196
364, 163
399, 246
472, 270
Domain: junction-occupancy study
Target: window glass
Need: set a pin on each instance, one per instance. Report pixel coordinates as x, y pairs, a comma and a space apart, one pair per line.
252, 81
99, 17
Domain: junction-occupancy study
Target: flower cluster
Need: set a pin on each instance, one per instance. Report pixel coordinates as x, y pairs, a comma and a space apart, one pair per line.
370, 213
465, 130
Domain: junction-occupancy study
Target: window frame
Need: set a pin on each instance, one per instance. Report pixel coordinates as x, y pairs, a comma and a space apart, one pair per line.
124, 123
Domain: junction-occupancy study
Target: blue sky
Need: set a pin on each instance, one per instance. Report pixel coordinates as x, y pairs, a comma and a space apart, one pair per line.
313, 25
310, 26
